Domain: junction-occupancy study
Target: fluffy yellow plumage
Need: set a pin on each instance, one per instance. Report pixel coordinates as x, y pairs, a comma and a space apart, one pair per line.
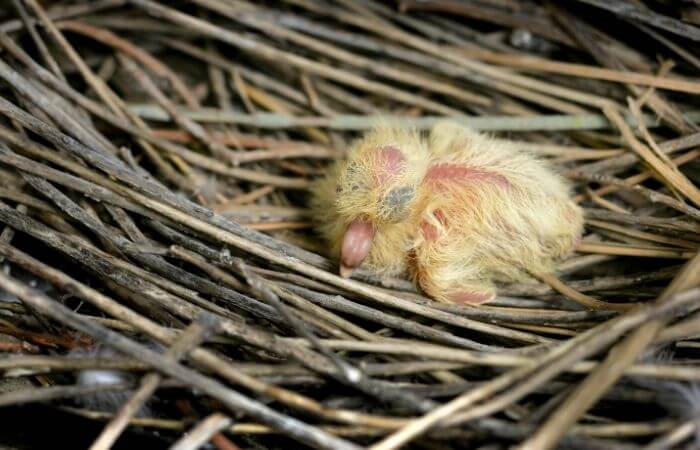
456, 211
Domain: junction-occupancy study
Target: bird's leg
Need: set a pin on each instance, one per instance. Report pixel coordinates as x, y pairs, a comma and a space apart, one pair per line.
449, 276
471, 293
466, 291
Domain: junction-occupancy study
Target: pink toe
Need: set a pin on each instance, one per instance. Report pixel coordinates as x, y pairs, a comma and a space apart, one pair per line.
472, 297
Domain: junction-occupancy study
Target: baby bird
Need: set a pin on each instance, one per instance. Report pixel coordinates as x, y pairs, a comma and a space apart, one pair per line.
456, 212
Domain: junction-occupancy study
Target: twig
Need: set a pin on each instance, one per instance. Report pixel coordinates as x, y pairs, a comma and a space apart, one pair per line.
204, 327
634, 12
619, 357
364, 122
234, 401
202, 432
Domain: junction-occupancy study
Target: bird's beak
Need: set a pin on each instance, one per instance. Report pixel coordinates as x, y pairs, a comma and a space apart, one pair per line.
345, 271
356, 245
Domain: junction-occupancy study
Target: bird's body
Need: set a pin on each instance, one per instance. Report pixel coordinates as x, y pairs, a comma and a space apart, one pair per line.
456, 212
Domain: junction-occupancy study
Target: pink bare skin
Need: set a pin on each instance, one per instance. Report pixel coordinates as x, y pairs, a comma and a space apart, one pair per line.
391, 161
443, 173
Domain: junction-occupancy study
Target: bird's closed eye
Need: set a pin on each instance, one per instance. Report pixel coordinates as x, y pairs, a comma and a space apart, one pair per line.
395, 204
399, 196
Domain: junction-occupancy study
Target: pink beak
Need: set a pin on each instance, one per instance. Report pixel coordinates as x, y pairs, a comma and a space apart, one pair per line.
357, 243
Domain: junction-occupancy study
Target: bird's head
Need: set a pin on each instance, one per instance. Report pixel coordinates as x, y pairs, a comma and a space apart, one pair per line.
376, 187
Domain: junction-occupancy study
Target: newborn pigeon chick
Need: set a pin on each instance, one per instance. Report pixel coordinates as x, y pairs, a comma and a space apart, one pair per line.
456, 212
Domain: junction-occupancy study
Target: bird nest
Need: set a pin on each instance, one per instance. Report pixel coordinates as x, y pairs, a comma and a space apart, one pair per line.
162, 283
